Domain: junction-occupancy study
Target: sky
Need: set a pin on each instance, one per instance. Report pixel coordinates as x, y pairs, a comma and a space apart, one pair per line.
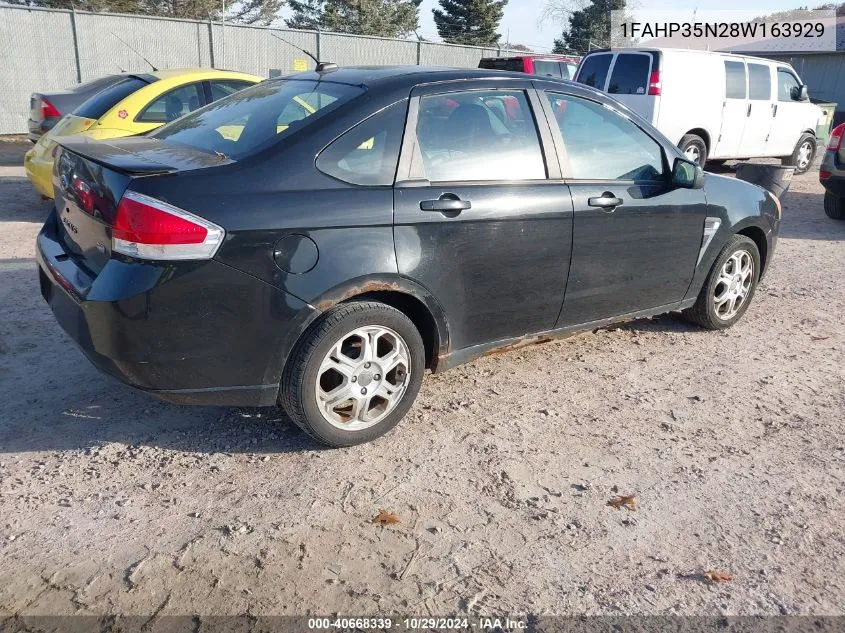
521, 20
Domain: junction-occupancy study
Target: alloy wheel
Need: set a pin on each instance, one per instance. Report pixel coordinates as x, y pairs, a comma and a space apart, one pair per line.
363, 377
733, 285
693, 153
804, 154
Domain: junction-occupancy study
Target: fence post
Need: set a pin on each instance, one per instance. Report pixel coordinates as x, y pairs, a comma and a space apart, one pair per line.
211, 42
319, 52
75, 46
419, 52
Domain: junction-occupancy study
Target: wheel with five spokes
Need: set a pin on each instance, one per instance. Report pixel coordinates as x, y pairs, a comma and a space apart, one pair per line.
729, 287
355, 374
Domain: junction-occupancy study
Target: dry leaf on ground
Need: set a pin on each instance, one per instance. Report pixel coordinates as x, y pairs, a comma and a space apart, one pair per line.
385, 518
629, 502
718, 576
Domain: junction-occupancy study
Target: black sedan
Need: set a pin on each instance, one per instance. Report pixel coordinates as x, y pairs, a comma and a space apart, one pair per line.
832, 175
258, 251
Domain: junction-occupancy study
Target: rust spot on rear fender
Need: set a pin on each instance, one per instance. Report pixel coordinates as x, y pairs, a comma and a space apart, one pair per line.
370, 286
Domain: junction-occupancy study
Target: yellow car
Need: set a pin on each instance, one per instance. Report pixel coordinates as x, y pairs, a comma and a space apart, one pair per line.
136, 104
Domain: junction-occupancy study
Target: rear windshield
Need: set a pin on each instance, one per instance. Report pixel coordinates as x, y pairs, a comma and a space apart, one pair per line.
251, 119
106, 99
593, 71
630, 74
512, 64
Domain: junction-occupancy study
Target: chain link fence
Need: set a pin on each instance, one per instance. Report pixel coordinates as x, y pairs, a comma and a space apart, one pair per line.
45, 50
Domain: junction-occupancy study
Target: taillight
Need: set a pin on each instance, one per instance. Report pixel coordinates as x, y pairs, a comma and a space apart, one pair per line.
83, 193
836, 137
48, 109
147, 228
824, 175
654, 85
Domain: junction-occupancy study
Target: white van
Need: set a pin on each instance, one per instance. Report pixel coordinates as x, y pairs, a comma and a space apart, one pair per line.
714, 106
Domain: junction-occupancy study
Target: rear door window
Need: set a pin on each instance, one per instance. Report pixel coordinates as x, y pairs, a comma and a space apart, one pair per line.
368, 153
759, 82
550, 69
256, 117
594, 69
630, 74
171, 105
484, 135
106, 99
735, 80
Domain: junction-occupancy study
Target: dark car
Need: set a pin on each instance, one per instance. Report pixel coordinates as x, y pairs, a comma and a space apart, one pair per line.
832, 175
47, 108
251, 253
547, 65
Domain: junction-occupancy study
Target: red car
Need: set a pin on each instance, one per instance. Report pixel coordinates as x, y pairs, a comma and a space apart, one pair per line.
548, 65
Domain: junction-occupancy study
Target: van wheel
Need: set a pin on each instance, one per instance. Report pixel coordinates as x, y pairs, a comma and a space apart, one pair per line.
804, 154
354, 374
729, 287
694, 148
834, 206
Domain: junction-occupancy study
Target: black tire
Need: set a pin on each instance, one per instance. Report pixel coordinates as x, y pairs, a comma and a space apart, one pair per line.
693, 140
792, 161
834, 206
703, 313
298, 389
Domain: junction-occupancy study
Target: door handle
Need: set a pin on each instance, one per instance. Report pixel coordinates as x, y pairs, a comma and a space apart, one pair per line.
774, 109
445, 203
748, 113
606, 201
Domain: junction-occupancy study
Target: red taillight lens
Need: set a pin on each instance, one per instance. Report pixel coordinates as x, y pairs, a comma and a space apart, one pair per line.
83, 193
151, 229
836, 137
824, 175
654, 85
48, 109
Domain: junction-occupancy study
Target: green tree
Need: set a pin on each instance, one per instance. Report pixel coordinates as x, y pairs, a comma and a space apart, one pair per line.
246, 11
306, 14
473, 22
588, 26
382, 18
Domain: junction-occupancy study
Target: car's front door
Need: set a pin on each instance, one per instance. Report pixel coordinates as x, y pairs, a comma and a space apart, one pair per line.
789, 113
478, 221
636, 236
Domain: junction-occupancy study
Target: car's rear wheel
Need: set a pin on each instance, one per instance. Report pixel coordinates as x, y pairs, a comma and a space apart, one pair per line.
803, 155
729, 287
694, 148
834, 206
355, 374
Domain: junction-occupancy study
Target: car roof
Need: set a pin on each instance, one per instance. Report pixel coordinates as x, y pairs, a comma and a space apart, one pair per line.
383, 76
170, 73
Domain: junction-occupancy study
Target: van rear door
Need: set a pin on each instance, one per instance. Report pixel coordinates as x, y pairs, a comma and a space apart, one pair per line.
629, 82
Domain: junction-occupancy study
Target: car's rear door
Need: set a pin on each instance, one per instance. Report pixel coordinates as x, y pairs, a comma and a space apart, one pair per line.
636, 237
481, 217
629, 82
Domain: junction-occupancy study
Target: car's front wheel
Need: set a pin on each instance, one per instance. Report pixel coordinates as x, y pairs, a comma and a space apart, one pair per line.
694, 148
729, 287
355, 374
803, 155
834, 206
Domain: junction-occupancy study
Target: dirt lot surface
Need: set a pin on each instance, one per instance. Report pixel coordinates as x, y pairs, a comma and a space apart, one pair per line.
732, 443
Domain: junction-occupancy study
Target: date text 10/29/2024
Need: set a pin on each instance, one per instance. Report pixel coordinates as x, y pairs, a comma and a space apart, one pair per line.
420, 623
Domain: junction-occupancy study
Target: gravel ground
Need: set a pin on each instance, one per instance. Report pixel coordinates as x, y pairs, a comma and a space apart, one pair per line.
732, 443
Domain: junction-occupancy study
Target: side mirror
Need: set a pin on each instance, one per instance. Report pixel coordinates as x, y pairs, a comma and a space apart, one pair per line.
687, 175
803, 95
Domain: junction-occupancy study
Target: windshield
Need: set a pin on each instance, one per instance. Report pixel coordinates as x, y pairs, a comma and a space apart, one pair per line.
252, 119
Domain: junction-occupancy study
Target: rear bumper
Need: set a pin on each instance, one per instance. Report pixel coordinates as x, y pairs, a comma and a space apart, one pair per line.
189, 333
36, 129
